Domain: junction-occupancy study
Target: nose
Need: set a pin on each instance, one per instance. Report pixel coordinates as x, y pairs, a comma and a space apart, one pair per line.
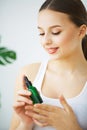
46, 40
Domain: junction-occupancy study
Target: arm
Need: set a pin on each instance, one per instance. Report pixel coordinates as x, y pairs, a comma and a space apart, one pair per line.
20, 121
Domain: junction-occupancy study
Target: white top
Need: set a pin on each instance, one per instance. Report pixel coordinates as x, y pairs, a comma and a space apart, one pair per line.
78, 103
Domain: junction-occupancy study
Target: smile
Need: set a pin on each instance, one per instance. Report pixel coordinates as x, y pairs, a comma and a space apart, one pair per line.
52, 50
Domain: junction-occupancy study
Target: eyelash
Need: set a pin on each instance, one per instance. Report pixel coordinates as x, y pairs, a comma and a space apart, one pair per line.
41, 34
56, 33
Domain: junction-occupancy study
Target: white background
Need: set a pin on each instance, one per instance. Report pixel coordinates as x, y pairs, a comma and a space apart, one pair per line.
18, 31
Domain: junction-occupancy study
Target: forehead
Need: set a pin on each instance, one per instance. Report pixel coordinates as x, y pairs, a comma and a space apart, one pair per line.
49, 17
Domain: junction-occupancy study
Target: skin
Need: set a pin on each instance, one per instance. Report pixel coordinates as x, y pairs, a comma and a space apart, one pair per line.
47, 113
60, 33
61, 38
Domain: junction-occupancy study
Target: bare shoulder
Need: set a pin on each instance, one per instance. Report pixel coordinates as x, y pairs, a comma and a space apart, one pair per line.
31, 70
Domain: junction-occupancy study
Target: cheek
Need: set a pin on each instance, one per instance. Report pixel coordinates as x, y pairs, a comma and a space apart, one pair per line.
66, 39
67, 44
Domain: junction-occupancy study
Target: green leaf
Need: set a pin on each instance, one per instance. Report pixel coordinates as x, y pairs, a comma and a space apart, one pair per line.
1, 63
6, 56
3, 49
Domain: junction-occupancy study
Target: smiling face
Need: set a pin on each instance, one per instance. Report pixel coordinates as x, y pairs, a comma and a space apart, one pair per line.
59, 36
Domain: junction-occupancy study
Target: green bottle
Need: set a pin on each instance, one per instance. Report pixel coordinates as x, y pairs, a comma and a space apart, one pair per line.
35, 96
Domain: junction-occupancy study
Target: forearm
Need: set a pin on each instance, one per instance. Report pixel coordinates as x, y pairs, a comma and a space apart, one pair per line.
24, 127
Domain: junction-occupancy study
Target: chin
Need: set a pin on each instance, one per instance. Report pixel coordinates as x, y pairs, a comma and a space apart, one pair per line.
55, 57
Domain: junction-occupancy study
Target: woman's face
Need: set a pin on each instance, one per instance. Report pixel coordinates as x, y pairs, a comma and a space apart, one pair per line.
59, 36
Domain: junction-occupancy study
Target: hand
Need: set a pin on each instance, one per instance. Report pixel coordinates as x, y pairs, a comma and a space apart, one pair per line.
59, 118
23, 99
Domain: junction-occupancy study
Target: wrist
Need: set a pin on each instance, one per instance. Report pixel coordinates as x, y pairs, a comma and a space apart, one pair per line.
23, 126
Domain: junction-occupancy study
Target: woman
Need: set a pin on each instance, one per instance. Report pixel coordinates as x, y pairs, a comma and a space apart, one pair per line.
62, 79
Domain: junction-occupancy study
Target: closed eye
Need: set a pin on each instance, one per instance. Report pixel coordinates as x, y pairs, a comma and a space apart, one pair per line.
41, 34
57, 33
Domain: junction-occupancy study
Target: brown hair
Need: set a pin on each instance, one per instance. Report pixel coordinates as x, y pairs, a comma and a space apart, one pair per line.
76, 11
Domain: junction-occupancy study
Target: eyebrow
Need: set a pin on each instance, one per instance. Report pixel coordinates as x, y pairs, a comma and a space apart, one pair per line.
50, 26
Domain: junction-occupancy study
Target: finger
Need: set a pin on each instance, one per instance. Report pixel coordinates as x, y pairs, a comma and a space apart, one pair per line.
36, 116
29, 107
24, 99
40, 111
24, 92
65, 104
39, 123
18, 104
29, 113
46, 107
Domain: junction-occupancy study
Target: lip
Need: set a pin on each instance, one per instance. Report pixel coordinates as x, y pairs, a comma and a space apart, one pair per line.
52, 50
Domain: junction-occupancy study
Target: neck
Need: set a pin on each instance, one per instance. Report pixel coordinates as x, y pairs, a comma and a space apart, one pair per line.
73, 63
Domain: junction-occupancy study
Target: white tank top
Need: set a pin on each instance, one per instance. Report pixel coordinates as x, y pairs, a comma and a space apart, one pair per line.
78, 103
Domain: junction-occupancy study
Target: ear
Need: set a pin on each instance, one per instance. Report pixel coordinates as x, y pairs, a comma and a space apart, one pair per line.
83, 29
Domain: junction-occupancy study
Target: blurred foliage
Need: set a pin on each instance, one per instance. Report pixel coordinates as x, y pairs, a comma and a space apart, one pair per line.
7, 56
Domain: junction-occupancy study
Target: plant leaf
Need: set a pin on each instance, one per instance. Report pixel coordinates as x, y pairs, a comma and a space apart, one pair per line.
6, 56
1, 63
2, 49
